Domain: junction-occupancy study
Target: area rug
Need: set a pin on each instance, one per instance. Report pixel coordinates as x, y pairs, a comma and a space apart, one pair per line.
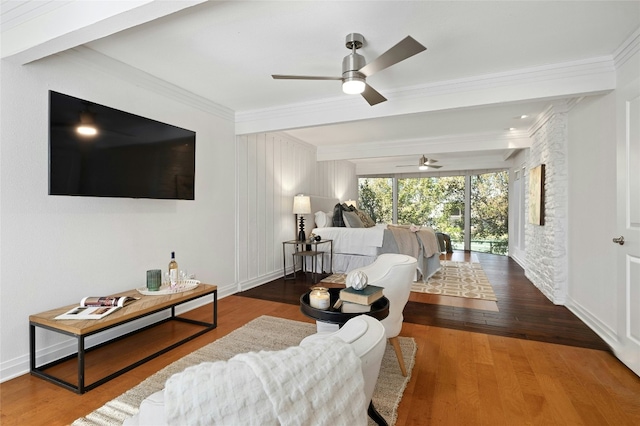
263, 333
459, 279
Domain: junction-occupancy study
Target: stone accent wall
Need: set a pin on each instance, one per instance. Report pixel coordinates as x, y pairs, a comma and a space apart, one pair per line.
546, 245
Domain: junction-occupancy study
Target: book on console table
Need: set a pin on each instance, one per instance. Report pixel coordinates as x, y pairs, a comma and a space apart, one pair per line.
97, 307
366, 296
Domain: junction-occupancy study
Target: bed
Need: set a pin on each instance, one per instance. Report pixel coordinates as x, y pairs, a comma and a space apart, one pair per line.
357, 247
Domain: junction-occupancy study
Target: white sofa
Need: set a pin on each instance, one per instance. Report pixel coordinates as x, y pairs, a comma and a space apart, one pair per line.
366, 339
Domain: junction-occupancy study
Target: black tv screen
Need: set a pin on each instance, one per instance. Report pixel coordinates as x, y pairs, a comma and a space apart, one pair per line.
127, 156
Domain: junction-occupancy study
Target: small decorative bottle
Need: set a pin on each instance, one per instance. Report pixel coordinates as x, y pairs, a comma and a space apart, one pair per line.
173, 270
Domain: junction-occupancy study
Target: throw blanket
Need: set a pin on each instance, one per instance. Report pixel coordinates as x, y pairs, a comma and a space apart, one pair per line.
320, 384
413, 242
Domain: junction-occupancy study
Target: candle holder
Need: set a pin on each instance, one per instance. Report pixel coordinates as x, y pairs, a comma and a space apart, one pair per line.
319, 298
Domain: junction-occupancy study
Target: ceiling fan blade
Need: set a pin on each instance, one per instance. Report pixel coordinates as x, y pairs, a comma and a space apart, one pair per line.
303, 77
431, 166
401, 51
372, 96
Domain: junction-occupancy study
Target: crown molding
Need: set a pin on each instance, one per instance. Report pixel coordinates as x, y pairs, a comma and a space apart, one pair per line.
37, 29
453, 169
630, 47
100, 63
438, 145
566, 79
557, 107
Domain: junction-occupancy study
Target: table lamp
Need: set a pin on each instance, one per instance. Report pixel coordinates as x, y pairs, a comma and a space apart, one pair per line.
301, 206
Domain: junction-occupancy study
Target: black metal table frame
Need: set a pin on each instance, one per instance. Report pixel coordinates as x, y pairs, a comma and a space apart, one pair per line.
81, 388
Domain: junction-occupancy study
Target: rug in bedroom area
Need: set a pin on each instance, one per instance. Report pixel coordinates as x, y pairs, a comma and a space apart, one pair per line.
263, 333
459, 279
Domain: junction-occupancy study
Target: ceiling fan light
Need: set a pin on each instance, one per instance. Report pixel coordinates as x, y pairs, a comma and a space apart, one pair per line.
423, 167
353, 86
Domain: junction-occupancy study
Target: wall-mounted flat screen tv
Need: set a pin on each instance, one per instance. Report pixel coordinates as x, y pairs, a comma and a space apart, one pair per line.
97, 151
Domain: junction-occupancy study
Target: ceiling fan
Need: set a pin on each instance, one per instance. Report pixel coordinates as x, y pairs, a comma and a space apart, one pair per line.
355, 70
425, 164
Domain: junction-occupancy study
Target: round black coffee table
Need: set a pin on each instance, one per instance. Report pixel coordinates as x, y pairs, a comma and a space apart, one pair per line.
379, 309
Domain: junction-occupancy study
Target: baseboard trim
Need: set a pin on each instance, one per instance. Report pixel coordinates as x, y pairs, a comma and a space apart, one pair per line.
605, 332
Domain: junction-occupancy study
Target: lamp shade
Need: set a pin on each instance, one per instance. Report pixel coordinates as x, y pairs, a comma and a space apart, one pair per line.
301, 204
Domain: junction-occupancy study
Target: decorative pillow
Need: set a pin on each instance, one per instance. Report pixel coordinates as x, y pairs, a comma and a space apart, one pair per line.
323, 220
338, 220
367, 222
352, 220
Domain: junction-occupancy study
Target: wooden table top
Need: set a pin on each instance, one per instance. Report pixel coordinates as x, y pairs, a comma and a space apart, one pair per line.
144, 305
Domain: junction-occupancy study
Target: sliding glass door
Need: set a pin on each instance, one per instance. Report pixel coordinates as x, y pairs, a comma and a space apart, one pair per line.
490, 212
472, 209
437, 202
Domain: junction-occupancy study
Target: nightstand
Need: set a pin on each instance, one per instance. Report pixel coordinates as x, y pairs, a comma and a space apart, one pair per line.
300, 251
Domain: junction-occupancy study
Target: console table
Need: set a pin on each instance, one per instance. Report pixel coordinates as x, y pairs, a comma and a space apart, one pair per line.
81, 329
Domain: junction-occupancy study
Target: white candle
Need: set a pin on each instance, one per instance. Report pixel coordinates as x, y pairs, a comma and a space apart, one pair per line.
319, 298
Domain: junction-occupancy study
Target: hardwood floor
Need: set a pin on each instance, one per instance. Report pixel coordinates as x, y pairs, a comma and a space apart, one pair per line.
522, 310
460, 377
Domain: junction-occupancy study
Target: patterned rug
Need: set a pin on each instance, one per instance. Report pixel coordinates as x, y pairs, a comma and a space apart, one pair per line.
459, 279
263, 333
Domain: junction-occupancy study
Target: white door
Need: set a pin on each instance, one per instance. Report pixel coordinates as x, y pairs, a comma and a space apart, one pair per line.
628, 224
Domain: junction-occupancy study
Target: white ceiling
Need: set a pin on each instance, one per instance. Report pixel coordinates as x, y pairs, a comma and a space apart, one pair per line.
486, 64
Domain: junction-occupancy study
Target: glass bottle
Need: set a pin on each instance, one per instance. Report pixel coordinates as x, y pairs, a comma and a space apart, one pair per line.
173, 270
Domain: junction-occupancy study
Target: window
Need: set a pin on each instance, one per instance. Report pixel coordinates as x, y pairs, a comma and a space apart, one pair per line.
439, 202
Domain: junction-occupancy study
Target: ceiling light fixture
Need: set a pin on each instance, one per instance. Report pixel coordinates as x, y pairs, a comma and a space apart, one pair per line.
422, 165
523, 116
353, 85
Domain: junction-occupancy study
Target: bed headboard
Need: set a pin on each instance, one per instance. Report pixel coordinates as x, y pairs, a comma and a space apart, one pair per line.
324, 204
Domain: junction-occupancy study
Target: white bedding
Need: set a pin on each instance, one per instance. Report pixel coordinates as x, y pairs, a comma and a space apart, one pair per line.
357, 247
361, 241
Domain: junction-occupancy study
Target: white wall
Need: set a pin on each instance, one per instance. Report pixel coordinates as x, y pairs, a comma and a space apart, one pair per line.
592, 212
272, 169
54, 250
337, 179
596, 294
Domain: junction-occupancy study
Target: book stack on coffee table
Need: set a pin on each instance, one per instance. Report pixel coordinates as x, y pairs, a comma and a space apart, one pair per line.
354, 301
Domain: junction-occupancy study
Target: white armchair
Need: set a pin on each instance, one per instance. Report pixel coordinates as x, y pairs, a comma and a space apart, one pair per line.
395, 273
367, 337
363, 333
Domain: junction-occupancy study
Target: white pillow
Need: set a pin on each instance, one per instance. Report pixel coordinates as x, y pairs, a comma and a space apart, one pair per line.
323, 220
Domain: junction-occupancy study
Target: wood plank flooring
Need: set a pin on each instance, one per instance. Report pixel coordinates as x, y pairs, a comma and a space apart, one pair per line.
522, 310
459, 378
